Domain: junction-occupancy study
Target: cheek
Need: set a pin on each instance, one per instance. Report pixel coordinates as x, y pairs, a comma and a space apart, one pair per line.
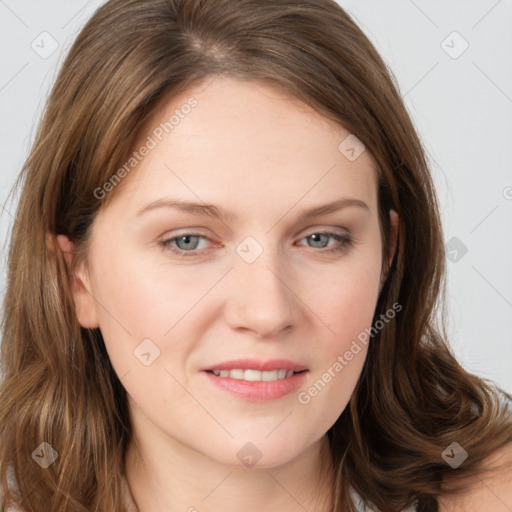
141, 297
131, 303
345, 296
142, 309
142, 294
346, 304
348, 301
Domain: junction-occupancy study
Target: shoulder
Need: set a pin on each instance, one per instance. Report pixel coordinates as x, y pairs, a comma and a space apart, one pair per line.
490, 490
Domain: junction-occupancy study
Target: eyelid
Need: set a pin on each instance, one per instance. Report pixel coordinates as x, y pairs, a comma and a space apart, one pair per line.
337, 230
308, 232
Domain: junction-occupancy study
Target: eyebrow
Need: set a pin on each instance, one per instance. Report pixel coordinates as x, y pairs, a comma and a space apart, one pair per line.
216, 212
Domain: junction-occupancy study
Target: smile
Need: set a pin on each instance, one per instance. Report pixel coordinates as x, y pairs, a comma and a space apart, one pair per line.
255, 385
254, 375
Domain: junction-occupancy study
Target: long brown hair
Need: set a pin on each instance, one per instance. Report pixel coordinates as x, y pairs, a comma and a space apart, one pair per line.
412, 400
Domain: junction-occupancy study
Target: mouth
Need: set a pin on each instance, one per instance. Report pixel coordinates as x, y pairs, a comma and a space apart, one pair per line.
254, 380
253, 375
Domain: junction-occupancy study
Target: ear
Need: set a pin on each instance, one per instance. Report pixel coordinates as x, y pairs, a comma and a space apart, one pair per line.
85, 305
395, 225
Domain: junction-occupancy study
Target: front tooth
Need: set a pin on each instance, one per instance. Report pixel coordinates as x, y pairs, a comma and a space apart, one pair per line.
255, 375
269, 375
252, 375
236, 374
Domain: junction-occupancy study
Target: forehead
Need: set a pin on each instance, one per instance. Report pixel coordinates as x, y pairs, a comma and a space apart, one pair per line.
248, 143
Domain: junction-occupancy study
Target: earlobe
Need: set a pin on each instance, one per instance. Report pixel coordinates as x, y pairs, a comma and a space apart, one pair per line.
395, 227
85, 305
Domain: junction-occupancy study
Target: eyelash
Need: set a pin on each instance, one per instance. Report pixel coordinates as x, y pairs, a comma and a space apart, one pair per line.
346, 242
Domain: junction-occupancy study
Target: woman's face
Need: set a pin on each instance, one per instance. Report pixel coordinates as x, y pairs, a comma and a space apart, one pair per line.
244, 273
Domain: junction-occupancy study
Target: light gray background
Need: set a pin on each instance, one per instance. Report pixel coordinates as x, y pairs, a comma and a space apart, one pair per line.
460, 102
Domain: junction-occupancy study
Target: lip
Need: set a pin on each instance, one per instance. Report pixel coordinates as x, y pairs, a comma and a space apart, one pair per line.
258, 364
257, 391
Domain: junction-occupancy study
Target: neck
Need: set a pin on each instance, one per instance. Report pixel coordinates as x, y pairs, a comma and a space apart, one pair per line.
172, 476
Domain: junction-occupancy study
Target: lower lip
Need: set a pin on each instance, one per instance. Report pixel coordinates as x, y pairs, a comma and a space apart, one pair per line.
259, 391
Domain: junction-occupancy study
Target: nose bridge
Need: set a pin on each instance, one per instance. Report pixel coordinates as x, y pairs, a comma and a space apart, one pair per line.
260, 298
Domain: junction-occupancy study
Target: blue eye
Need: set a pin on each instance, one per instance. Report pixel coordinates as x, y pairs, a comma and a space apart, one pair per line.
344, 240
188, 242
186, 245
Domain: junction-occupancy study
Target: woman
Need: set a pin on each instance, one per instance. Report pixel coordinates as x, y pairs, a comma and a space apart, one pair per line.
289, 359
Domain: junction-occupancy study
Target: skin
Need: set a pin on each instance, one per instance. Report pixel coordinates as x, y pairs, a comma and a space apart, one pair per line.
265, 156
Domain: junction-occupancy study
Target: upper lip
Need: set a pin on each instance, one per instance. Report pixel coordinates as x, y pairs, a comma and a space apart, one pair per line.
258, 364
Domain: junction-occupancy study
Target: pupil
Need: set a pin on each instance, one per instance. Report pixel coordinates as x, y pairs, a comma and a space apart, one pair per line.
186, 239
316, 237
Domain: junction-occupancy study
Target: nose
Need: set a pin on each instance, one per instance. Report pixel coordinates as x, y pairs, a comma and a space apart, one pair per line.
261, 298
